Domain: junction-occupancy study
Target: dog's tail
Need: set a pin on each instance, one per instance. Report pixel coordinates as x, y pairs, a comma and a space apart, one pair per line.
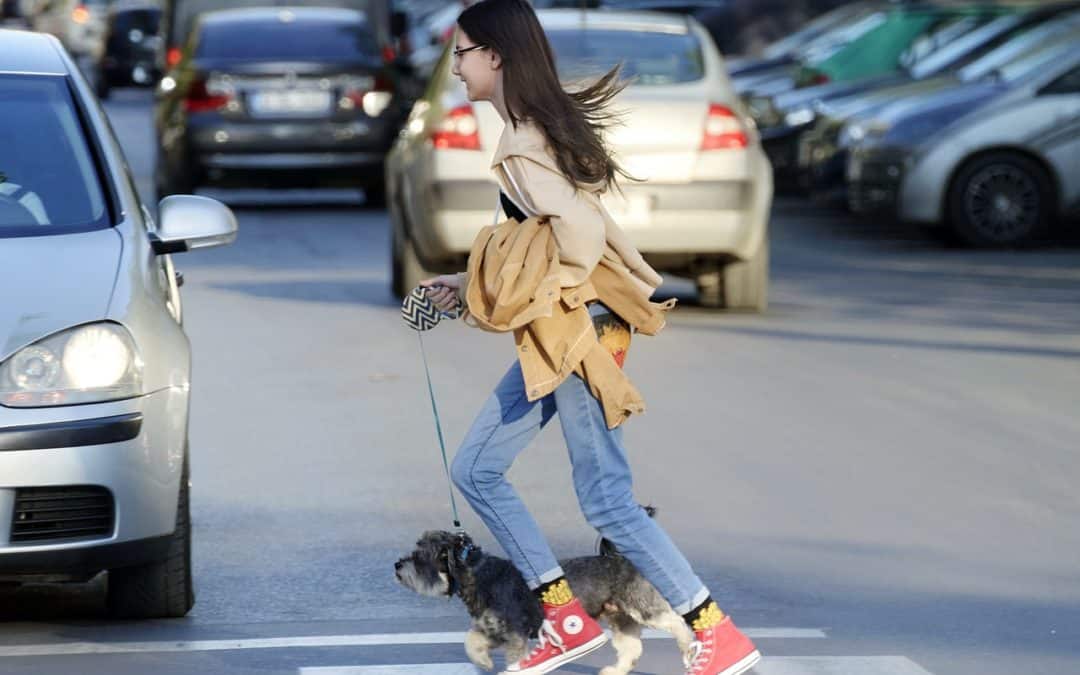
606, 548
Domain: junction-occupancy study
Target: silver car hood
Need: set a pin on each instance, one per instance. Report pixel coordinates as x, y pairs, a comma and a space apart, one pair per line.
52, 283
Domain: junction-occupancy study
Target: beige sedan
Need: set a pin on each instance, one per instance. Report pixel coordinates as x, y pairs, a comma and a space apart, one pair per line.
702, 208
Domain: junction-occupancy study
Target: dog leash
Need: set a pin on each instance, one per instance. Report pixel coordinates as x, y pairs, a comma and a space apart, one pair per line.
421, 314
438, 431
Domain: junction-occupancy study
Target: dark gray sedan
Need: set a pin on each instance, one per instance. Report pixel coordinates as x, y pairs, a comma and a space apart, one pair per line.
293, 96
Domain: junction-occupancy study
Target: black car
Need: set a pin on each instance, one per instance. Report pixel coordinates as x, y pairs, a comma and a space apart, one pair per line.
131, 45
266, 97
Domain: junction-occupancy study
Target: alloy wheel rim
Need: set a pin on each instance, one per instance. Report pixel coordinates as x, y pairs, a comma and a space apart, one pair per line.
1002, 202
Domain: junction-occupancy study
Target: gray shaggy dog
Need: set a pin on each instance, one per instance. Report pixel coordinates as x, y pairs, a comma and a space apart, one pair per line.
505, 613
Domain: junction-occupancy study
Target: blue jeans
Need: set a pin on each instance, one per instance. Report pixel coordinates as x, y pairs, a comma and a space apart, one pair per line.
507, 423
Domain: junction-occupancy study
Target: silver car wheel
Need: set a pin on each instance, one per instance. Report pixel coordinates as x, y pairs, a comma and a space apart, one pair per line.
1002, 203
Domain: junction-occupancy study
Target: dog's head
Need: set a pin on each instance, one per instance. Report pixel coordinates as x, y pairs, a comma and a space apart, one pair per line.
435, 564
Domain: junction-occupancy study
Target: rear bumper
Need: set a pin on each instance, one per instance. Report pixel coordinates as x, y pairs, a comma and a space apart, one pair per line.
289, 145
286, 161
709, 217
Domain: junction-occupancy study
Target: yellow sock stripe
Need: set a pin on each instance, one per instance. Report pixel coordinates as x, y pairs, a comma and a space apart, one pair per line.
558, 594
709, 616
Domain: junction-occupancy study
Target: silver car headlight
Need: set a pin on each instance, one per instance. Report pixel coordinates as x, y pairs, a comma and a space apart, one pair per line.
89, 364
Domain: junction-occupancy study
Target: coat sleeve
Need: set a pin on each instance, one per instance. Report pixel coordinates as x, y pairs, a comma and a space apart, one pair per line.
578, 226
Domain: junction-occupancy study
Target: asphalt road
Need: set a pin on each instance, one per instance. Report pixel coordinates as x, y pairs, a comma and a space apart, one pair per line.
878, 476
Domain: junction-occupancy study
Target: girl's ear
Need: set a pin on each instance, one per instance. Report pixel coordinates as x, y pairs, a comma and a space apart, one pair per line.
496, 60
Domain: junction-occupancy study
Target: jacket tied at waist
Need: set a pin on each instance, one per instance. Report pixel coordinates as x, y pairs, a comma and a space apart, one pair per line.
512, 285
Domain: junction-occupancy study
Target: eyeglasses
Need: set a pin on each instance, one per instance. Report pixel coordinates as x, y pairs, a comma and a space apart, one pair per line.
459, 52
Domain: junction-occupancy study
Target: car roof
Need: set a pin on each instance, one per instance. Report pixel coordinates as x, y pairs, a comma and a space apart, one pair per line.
242, 15
28, 52
604, 19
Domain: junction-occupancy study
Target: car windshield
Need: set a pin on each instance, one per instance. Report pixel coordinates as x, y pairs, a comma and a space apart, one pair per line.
813, 30
951, 53
933, 41
1031, 64
48, 180
278, 40
832, 41
649, 57
1024, 42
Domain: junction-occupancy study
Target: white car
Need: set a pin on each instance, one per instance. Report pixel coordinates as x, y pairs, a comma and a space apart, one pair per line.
703, 210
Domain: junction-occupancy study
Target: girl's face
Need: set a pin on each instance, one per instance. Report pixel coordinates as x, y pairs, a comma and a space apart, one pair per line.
477, 66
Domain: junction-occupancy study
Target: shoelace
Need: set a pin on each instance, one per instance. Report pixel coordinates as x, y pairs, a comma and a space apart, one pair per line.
698, 656
547, 634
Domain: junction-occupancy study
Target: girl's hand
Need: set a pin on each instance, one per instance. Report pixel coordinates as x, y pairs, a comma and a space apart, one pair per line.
442, 290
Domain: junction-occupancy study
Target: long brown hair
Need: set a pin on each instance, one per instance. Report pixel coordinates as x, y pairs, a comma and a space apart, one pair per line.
574, 121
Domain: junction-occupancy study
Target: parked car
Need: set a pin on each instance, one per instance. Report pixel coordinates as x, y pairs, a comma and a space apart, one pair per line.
786, 51
881, 57
95, 366
703, 212
997, 161
78, 24
131, 46
822, 154
298, 97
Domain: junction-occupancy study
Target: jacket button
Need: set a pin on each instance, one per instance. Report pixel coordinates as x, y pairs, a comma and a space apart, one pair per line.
524, 348
575, 298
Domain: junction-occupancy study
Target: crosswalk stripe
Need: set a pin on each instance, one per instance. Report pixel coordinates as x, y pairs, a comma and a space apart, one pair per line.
368, 640
428, 668
769, 665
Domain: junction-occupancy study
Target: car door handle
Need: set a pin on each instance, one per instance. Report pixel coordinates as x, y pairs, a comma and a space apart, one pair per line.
179, 278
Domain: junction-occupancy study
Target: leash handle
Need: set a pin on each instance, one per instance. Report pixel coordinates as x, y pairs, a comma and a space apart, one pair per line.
438, 430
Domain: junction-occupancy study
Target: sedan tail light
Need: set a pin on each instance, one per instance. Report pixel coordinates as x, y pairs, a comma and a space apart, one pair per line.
459, 130
203, 97
723, 131
372, 95
172, 56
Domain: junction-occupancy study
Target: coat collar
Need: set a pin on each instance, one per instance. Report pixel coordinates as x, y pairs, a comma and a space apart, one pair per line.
527, 140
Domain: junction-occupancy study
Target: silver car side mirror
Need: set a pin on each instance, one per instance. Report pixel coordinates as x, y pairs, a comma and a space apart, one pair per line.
187, 222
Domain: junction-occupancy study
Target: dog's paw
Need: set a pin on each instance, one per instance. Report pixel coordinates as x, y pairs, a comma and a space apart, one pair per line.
612, 670
484, 663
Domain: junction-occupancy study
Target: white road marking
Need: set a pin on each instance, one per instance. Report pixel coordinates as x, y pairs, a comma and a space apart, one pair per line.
838, 665
776, 665
417, 669
370, 640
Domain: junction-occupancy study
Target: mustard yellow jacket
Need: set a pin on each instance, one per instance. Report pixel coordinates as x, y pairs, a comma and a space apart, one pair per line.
534, 278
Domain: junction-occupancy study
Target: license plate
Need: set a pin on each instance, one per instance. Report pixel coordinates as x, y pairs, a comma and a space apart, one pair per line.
290, 102
629, 210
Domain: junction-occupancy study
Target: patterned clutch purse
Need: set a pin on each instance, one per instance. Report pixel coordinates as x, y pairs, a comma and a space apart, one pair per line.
420, 313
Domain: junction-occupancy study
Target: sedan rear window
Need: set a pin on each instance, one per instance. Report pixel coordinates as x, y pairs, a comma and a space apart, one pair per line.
287, 41
650, 57
48, 179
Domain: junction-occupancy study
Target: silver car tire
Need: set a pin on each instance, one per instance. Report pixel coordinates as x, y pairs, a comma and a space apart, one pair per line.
162, 589
742, 285
1000, 199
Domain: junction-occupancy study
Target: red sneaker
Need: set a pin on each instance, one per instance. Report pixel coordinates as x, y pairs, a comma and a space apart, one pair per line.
567, 634
721, 650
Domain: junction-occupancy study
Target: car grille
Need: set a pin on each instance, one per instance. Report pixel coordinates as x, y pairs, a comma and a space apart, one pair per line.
62, 513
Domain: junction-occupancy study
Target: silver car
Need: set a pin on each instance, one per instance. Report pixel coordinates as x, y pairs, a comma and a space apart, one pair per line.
94, 362
997, 160
703, 209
